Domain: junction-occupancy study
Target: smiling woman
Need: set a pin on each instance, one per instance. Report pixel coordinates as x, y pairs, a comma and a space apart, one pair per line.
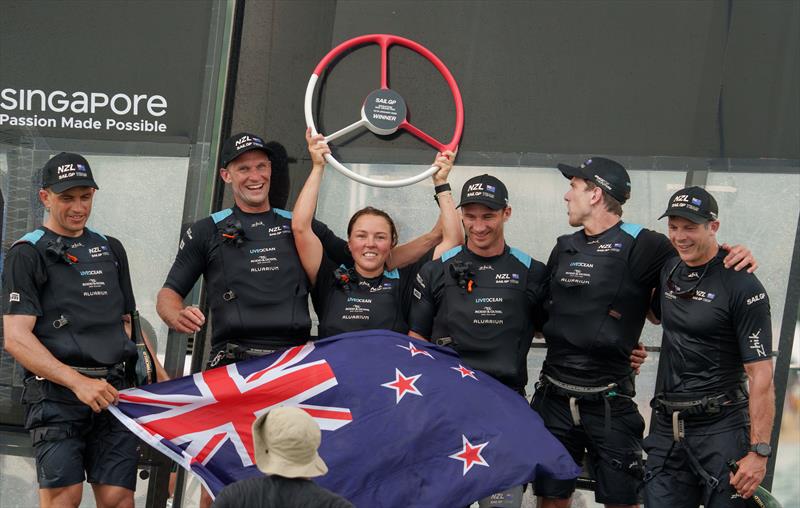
368, 293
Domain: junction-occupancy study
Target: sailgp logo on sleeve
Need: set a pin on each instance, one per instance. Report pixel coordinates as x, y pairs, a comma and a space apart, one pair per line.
13, 297
756, 298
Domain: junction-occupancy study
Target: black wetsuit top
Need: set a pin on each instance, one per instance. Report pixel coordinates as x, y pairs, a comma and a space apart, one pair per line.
599, 293
709, 336
347, 302
72, 286
485, 305
257, 289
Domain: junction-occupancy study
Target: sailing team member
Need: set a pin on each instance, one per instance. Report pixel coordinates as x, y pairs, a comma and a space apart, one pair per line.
364, 294
601, 282
717, 341
63, 321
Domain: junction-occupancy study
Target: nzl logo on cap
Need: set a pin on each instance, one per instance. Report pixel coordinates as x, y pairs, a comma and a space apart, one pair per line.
71, 170
246, 141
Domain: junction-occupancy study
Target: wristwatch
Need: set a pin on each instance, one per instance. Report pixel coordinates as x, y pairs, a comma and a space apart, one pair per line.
763, 449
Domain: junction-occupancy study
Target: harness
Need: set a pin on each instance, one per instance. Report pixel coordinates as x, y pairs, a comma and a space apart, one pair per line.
98, 372
622, 388
236, 352
680, 408
577, 393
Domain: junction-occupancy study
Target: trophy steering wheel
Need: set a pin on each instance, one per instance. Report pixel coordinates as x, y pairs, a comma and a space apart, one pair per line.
384, 110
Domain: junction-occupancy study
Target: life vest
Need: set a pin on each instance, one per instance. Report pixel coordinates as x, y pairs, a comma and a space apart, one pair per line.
82, 303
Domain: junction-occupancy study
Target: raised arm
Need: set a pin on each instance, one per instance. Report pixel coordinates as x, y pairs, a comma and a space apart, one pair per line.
452, 231
309, 247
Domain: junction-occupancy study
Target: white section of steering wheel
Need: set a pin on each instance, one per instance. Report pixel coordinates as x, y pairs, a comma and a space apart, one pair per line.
361, 123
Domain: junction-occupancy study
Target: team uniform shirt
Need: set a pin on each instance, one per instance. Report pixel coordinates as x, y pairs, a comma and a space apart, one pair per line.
72, 286
485, 305
347, 302
710, 335
257, 289
599, 293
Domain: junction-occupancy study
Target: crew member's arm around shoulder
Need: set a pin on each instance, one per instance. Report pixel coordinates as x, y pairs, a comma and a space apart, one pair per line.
309, 247
753, 467
739, 257
22, 344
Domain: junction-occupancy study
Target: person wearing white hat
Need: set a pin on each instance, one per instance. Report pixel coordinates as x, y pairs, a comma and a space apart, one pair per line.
285, 443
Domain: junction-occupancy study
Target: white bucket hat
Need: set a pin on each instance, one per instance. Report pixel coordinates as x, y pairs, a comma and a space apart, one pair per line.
285, 443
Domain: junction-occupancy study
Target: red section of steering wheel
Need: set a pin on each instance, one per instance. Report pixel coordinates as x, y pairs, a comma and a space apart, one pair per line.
384, 111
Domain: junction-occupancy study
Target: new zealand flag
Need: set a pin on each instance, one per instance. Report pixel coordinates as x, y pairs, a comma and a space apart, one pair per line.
405, 423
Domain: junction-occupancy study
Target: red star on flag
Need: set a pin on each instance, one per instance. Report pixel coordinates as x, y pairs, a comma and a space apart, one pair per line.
464, 372
470, 454
414, 350
403, 385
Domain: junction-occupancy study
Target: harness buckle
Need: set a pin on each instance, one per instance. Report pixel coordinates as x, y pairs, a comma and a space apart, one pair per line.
711, 405
217, 358
574, 411
228, 295
60, 322
443, 341
678, 429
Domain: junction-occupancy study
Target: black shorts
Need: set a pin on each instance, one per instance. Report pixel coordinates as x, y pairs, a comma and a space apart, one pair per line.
671, 479
614, 460
72, 443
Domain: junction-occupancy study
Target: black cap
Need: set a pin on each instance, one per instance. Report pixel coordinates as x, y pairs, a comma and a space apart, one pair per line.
607, 174
240, 143
65, 171
693, 203
486, 190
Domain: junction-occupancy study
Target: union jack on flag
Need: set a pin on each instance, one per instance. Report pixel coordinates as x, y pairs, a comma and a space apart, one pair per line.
405, 422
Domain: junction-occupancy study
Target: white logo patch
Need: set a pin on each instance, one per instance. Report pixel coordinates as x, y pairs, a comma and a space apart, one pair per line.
755, 343
13, 297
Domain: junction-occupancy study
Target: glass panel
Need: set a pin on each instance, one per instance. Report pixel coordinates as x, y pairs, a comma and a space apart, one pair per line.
760, 211
785, 486
147, 225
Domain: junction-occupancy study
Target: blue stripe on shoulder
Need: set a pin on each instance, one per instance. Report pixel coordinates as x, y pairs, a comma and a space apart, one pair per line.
632, 229
450, 253
283, 213
394, 274
101, 235
32, 237
219, 216
523, 258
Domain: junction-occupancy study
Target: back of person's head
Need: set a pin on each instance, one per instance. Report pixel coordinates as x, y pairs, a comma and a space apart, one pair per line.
285, 443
